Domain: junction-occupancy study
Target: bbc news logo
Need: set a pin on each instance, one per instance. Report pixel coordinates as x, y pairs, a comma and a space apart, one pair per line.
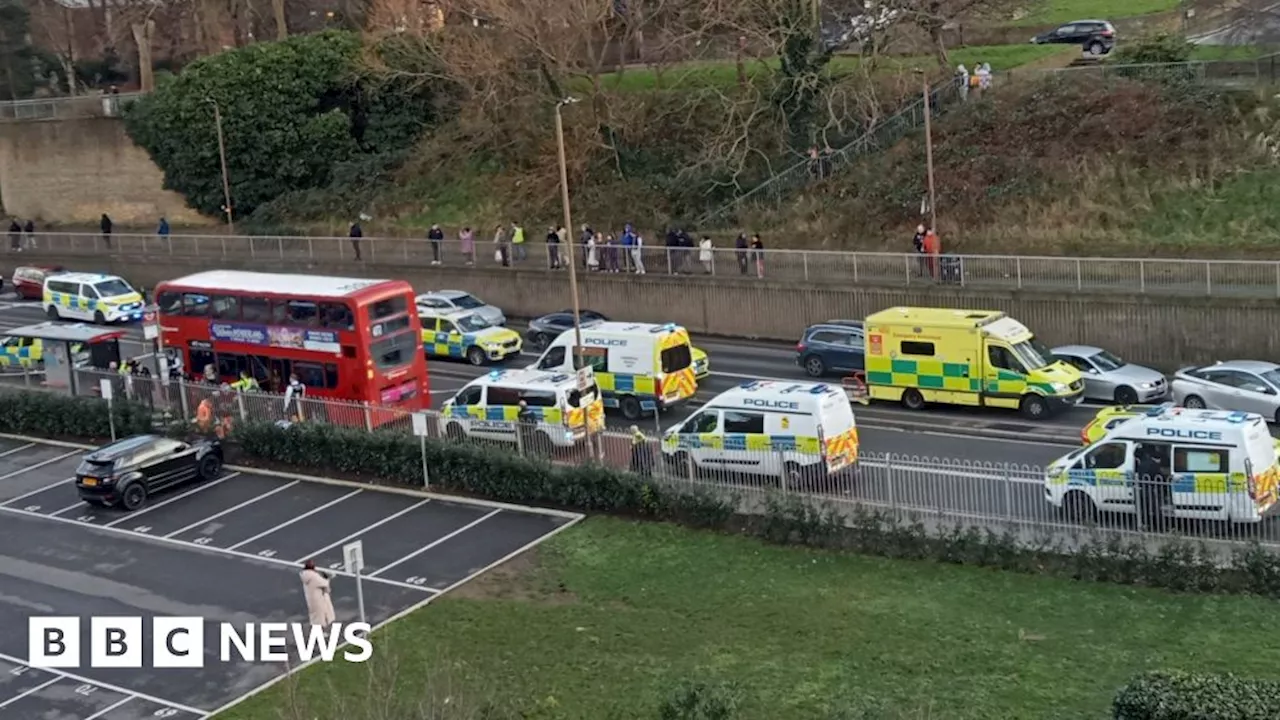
179, 642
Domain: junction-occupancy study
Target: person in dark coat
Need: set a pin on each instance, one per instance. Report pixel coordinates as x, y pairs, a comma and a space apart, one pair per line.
15, 235
105, 226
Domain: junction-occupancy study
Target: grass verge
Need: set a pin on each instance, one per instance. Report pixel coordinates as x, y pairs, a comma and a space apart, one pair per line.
610, 615
1061, 11
724, 73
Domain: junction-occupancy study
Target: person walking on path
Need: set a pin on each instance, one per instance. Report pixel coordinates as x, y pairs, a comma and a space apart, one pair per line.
467, 243
105, 226
316, 590
162, 230
355, 235
29, 230
436, 236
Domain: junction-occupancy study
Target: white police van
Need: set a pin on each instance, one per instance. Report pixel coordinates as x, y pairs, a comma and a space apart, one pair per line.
770, 429
1218, 465
489, 408
91, 296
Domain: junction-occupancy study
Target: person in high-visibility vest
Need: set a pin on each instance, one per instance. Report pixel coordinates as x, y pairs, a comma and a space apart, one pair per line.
641, 458
246, 383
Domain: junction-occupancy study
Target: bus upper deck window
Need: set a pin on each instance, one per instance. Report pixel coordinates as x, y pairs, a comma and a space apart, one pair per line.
303, 313
336, 316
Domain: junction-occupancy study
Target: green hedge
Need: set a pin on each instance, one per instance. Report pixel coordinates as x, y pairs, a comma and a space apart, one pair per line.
61, 416
1185, 696
497, 473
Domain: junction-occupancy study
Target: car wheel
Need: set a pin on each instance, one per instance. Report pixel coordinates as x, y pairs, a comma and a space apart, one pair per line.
453, 431
1079, 507
133, 496
210, 467
476, 356
1095, 48
630, 407
52, 313
1193, 402
814, 367
541, 341
1034, 407
99, 318
1126, 396
912, 399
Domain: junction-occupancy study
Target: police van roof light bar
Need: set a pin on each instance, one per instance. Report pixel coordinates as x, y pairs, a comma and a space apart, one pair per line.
1159, 410
749, 385
819, 389
1238, 417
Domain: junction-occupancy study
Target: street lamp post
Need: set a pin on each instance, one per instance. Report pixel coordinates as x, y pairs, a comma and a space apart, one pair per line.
928, 153
573, 265
222, 156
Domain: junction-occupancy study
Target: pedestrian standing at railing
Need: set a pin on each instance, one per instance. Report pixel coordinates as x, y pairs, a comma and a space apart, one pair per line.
517, 242
502, 250
741, 252
105, 226
436, 236
15, 235
553, 248
637, 254
467, 244
628, 241
355, 234
29, 230
584, 239
706, 255
757, 252
932, 249
592, 253
162, 230
917, 245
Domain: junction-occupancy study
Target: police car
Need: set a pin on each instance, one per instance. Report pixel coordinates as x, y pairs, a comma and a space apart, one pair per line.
1217, 465
768, 429
91, 296
463, 334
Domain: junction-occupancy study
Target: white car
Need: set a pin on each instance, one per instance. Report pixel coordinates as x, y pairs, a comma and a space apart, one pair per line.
448, 301
1251, 386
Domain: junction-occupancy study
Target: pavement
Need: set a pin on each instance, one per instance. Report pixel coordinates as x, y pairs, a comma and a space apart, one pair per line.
227, 550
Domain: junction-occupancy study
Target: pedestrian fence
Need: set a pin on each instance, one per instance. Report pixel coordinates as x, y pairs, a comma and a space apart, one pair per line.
913, 488
1155, 276
66, 108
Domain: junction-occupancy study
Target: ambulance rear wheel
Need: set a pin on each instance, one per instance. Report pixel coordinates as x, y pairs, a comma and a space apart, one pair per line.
1079, 507
1126, 396
1034, 407
912, 399
630, 407
475, 356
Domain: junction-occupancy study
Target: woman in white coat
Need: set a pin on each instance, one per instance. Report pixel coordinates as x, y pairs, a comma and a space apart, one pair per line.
315, 586
705, 254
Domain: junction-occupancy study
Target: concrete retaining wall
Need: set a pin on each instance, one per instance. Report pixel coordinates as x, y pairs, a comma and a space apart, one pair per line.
1164, 332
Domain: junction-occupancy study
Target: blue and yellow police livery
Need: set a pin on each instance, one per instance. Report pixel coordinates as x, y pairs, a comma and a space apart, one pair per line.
91, 296
464, 335
489, 408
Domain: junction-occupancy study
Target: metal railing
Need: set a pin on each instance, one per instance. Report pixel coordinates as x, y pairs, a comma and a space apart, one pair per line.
66, 108
1152, 276
915, 488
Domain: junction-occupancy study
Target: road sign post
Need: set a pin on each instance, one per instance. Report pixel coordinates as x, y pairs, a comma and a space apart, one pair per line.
107, 392
420, 429
586, 379
353, 560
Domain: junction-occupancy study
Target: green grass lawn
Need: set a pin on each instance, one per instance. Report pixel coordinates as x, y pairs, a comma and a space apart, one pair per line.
723, 73
613, 614
1232, 52
1051, 12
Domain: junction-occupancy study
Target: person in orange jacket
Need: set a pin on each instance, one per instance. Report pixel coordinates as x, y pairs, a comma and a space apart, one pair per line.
932, 249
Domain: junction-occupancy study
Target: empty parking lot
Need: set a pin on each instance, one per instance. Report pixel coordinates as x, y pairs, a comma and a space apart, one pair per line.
228, 550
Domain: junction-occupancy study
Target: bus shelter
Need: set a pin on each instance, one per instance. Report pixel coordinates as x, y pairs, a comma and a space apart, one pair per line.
100, 345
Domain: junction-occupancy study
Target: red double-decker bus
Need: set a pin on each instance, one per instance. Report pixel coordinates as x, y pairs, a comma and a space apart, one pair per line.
345, 338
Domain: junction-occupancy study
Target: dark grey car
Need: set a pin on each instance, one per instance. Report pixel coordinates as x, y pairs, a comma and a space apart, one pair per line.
1096, 37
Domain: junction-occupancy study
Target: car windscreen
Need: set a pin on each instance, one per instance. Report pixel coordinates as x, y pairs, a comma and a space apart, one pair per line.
467, 301
1033, 353
471, 323
1107, 362
112, 288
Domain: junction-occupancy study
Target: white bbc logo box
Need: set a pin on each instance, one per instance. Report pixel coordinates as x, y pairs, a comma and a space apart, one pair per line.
114, 642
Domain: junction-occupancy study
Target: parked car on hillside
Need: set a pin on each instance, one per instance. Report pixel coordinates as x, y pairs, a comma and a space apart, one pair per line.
1096, 37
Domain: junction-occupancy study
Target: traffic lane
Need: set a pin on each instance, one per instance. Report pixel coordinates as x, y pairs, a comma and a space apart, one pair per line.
30, 313
71, 569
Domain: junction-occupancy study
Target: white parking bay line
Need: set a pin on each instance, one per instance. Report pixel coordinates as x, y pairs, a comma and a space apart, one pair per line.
425, 548
360, 532
108, 709
64, 675
29, 468
23, 496
175, 498
20, 448
32, 691
309, 513
232, 509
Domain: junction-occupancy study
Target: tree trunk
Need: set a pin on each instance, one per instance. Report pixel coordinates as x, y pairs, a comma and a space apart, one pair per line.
143, 35
282, 28
939, 43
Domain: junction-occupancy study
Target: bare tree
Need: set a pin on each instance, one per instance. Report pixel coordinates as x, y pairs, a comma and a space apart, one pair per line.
933, 17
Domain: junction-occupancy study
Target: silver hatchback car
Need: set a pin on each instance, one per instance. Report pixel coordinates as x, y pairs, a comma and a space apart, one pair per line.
452, 300
1110, 379
1244, 385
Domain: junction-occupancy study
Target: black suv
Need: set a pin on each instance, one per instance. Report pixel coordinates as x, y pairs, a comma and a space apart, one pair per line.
127, 471
1096, 37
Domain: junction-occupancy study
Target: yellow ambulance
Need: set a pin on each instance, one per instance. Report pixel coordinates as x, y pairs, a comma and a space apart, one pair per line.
917, 356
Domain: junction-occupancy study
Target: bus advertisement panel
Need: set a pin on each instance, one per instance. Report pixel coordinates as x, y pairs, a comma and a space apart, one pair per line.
345, 338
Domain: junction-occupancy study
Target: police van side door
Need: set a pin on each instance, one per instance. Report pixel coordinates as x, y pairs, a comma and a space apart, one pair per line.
1107, 468
700, 437
743, 429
